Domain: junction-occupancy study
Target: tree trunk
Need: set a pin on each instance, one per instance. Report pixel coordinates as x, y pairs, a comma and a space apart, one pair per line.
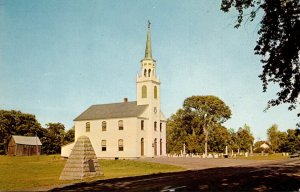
206, 139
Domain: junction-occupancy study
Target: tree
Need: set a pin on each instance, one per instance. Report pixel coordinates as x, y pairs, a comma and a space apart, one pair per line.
273, 137
278, 44
188, 125
178, 128
54, 138
69, 136
234, 141
282, 141
219, 139
293, 141
245, 138
17, 123
207, 112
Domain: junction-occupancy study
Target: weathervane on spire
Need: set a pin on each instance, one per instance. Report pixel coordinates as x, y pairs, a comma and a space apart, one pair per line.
149, 23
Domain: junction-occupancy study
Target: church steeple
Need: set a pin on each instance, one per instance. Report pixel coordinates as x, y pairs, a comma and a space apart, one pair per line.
148, 82
148, 51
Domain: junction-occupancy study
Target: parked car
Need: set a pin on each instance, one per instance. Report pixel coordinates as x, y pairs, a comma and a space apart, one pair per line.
295, 154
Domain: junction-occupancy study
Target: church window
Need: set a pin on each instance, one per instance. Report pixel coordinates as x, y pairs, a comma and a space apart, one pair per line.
149, 72
144, 91
142, 125
103, 125
120, 124
120, 145
87, 127
145, 72
160, 127
103, 145
155, 125
155, 92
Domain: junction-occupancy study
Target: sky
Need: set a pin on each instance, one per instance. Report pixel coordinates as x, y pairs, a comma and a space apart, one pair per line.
58, 57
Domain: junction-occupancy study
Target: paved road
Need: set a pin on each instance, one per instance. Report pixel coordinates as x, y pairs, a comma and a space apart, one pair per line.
199, 163
283, 175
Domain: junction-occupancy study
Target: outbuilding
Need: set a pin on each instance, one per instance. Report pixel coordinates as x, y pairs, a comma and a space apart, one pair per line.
24, 146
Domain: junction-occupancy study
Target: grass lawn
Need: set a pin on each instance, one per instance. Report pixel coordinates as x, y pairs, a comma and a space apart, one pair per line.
18, 173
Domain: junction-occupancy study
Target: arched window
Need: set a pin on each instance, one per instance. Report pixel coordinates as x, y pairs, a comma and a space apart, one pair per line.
149, 72
142, 125
120, 124
87, 127
145, 72
103, 145
155, 92
144, 91
120, 144
103, 125
155, 125
160, 127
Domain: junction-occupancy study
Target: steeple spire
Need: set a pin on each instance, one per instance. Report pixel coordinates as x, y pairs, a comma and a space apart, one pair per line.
148, 51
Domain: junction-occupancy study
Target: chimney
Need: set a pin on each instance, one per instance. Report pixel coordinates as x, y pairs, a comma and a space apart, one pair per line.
125, 100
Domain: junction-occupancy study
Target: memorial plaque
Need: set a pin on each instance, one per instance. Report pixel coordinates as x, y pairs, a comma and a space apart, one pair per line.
91, 166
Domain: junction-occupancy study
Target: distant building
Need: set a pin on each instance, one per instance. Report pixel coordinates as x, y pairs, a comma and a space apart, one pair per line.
127, 129
24, 146
264, 146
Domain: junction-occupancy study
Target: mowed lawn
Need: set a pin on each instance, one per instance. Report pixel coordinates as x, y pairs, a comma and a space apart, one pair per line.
21, 173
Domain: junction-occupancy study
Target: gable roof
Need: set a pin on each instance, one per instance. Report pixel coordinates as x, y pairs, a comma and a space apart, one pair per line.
26, 140
112, 110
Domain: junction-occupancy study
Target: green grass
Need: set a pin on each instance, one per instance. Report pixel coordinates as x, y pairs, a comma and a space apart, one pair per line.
258, 156
18, 173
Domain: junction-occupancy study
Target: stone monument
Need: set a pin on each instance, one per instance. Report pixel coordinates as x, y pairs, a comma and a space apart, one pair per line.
82, 162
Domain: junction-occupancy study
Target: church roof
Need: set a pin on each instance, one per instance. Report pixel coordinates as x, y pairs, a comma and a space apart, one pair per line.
112, 110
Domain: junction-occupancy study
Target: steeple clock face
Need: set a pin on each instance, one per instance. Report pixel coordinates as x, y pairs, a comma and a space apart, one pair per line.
155, 110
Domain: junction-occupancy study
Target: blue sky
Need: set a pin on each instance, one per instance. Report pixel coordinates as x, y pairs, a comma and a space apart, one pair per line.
59, 57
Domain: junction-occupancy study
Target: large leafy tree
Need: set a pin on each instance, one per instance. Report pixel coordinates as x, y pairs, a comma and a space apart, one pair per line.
219, 139
192, 124
233, 141
278, 44
293, 141
276, 138
69, 136
208, 112
245, 138
54, 138
17, 123
179, 129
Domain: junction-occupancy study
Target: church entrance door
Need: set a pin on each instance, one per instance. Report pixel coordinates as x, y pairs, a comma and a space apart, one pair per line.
160, 147
142, 147
155, 147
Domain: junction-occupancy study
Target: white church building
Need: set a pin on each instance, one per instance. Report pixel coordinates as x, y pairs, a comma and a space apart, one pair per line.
128, 129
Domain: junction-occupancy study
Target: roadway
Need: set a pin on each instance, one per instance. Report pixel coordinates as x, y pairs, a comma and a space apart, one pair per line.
281, 175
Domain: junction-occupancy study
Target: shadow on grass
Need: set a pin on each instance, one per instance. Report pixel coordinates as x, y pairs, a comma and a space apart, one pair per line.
268, 178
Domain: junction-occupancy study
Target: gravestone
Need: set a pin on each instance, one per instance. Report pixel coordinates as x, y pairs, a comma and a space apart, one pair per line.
82, 162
